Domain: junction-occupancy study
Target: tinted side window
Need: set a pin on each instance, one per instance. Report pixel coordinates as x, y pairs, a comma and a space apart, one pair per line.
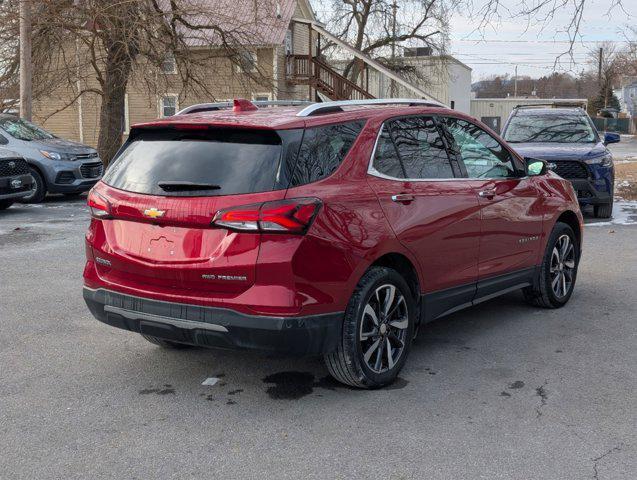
322, 151
421, 148
483, 155
386, 159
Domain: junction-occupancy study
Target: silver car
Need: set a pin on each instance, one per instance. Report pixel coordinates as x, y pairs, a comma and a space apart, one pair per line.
57, 165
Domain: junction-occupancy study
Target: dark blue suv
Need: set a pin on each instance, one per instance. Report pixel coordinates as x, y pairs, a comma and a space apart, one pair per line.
567, 138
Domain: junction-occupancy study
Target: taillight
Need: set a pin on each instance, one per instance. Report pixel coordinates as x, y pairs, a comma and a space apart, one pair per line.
285, 216
99, 206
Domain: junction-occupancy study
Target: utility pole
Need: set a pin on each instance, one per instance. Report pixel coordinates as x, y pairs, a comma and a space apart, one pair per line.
515, 83
602, 87
26, 66
394, 9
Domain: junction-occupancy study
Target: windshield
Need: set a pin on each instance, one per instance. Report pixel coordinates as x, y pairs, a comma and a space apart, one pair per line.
550, 129
23, 130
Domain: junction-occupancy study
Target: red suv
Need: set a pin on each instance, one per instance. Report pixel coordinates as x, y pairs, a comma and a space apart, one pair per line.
334, 228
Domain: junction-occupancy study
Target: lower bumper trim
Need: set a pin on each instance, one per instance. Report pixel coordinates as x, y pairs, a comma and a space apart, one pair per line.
188, 324
216, 327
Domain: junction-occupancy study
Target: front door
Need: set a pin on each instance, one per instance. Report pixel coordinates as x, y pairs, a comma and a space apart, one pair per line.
510, 207
433, 213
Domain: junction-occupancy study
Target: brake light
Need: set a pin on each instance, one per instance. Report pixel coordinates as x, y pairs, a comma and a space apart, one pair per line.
285, 216
189, 126
99, 206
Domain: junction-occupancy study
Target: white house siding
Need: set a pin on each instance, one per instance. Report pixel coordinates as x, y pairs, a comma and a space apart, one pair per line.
442, 77
460, 87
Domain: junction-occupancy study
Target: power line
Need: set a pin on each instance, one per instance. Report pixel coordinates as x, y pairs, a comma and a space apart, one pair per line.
576, 42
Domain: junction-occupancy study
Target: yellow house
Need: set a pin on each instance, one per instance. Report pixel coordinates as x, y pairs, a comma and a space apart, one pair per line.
264, 75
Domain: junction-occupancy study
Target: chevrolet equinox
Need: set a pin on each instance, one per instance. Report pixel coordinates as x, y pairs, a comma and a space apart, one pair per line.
331, 229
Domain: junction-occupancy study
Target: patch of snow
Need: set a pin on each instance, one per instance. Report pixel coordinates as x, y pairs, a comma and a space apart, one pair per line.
624, 213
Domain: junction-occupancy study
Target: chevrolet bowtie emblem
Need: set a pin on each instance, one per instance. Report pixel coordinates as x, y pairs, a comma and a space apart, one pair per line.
154, 213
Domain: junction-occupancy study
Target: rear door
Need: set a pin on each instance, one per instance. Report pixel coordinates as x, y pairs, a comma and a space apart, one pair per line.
433, 212
164, 189
510, 206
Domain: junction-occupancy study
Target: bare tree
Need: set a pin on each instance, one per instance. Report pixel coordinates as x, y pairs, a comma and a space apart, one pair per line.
379, 27
9, 58
606, 58
628, 57
99, 46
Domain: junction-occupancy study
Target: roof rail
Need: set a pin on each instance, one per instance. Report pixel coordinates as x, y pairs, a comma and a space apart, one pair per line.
329, 107
210, 107
562, 104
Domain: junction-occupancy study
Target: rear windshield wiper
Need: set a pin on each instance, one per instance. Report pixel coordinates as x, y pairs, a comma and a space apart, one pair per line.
179, 186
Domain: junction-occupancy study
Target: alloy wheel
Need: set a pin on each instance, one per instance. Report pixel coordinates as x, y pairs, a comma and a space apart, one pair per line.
383, 328
562, 269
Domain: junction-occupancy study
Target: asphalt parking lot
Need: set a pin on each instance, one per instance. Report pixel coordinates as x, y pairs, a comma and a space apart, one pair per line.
500, 391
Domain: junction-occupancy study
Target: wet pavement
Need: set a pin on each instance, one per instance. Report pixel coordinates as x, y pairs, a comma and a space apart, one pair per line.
502, 391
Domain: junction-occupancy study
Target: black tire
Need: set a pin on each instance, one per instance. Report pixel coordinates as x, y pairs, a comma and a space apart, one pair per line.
39, 190
603, 211
347, 364
165, 343
4, 204
543, 295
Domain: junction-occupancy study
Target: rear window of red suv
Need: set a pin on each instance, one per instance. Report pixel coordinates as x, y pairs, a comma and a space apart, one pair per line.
227, 161
197, 162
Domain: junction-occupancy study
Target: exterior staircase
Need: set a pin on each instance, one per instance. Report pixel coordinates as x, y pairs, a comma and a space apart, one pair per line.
312, 69
308, 70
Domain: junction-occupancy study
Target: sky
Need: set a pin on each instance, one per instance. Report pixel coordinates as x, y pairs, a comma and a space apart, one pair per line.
533, 47
505, 44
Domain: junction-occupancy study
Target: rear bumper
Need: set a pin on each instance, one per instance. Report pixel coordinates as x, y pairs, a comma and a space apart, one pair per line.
216, 327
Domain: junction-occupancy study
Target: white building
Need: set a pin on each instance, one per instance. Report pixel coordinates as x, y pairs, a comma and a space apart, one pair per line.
627, 96
445, 78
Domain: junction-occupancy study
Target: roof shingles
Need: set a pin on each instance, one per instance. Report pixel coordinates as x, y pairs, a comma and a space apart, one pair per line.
244, 22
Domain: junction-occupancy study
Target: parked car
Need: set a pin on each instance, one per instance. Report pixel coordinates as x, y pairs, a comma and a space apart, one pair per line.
333, 229
57, 165
567, 138
15, 180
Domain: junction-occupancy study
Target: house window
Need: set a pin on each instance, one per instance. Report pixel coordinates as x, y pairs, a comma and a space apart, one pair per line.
453, 105
289, 39
168, 105
262, 97
169, 65
246, 62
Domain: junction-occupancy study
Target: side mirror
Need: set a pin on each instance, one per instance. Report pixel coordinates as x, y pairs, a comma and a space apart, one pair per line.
610, 137
536, 166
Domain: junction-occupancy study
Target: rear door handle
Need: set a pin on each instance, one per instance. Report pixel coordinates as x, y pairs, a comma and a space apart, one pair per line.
403, 198
488, 193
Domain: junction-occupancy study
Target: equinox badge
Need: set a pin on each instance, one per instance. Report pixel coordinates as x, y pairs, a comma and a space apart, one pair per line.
154, 213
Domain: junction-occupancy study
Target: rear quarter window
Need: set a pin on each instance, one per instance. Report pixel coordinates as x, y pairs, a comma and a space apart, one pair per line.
322, 151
